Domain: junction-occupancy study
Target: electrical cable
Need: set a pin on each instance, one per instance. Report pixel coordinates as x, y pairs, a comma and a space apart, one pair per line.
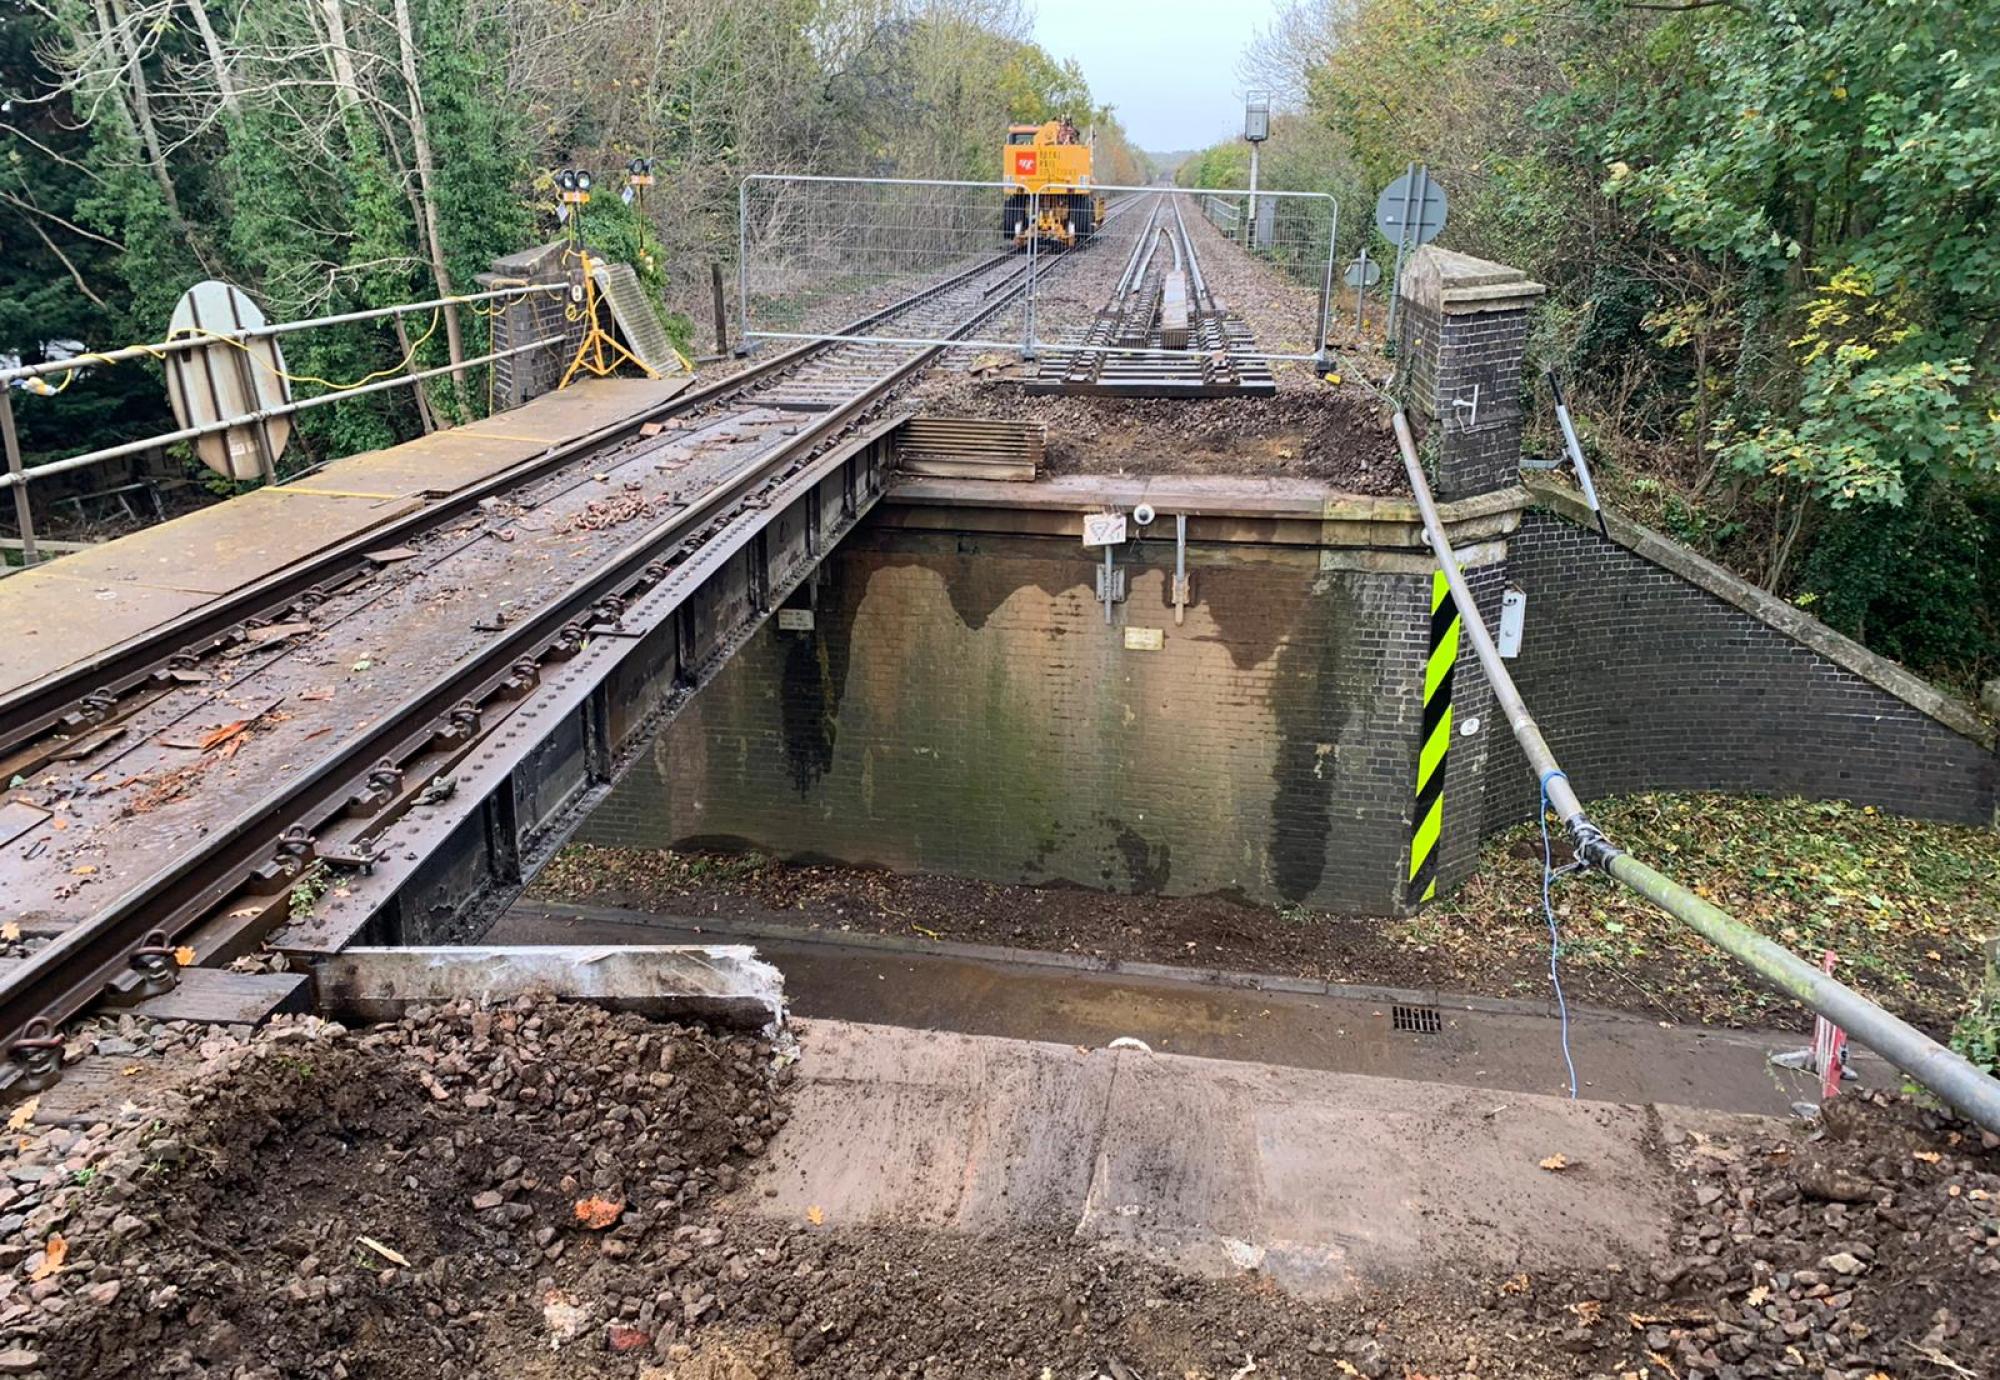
1549, 914
437, 315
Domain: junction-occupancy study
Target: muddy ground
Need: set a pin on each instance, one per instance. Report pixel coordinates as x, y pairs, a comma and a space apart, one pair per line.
1909, 938
542, 1190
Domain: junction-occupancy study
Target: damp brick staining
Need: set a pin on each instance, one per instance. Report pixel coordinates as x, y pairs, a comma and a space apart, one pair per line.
961, 705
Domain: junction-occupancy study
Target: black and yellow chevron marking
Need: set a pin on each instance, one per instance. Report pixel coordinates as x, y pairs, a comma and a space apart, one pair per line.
1429, 820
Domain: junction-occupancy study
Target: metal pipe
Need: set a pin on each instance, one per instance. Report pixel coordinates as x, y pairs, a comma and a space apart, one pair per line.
1952, 1077
1402, 234
743, 265
188, 433
1576, 452
189, 342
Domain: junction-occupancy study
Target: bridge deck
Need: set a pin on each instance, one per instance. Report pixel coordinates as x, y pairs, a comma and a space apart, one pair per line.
66, 612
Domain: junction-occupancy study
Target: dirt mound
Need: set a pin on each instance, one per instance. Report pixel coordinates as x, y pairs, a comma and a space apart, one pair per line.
543, 1190
1338, 435
422, 1200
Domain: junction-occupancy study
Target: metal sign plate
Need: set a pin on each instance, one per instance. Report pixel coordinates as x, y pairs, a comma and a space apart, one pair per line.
225, 379
1103, 529
1145, 639
1363, 273
1425, 203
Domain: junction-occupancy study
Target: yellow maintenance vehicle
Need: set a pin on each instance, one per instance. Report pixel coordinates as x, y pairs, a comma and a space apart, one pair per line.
1054, 161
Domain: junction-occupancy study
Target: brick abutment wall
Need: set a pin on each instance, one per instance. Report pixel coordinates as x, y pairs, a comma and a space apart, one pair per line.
960, 704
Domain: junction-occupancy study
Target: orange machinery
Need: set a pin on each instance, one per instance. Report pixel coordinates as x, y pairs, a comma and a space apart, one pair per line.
1052, 162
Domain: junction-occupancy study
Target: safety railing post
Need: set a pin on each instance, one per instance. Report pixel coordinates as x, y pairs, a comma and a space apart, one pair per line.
24, 508
1028, 295
743, 265
1324, 361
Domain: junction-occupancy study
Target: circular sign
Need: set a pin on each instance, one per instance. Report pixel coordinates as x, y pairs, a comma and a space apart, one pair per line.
1411, 209
228, 378
1363, 272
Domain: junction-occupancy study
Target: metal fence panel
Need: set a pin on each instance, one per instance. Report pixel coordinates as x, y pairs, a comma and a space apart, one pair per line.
818, 254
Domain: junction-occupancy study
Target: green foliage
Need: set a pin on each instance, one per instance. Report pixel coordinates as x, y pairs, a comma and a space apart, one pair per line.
1905, 903
1767, 227
1977, 1034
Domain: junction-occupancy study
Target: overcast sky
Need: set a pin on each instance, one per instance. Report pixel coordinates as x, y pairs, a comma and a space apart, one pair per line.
1169, 66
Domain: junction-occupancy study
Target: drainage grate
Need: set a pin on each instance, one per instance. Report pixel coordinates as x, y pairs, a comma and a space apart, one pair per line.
1418, 1020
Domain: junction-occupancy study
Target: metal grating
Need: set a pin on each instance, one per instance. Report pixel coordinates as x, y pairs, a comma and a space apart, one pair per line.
970, 447
1417, 1020
637, 321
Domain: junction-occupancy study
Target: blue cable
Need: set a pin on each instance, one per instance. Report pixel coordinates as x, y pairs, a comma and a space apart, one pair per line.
1549, 914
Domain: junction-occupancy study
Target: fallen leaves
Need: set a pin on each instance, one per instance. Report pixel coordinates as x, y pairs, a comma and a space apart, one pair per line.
1556, 1164
19, 1118
816, 1215
10, 931
53, 1256
184, 956
597, 1212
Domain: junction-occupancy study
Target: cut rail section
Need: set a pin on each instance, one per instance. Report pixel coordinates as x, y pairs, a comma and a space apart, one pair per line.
1161, 333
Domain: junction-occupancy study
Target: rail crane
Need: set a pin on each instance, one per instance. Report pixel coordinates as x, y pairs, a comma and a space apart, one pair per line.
1053, 161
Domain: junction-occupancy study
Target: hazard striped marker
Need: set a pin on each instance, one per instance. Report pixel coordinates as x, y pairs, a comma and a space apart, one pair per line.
1438, 673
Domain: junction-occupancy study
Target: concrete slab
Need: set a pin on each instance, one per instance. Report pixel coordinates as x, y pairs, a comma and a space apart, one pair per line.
93, 599
213, 996
221, 548
441, 463
724, 984
55, 619
585, 406
1319, 1181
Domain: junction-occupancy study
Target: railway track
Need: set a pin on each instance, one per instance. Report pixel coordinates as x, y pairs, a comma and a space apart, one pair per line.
1162, 333
383, 686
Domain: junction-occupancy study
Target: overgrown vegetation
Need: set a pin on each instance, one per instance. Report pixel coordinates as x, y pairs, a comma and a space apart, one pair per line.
1905, 905
1768, 231
330, 155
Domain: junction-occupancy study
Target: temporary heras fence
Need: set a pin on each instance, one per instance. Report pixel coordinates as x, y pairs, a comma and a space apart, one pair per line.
865, 259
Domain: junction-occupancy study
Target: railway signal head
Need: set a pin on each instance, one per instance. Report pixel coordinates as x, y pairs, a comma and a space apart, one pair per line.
1257, 116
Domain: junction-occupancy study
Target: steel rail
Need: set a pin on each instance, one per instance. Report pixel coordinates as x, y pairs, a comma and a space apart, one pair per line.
74, 969
32, 711
1948, 1074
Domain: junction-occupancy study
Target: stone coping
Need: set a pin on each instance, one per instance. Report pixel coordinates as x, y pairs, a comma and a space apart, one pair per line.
1770, 610
1452, 283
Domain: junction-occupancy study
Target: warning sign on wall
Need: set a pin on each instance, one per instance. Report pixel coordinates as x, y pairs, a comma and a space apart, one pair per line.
1103, 529
1024, 162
